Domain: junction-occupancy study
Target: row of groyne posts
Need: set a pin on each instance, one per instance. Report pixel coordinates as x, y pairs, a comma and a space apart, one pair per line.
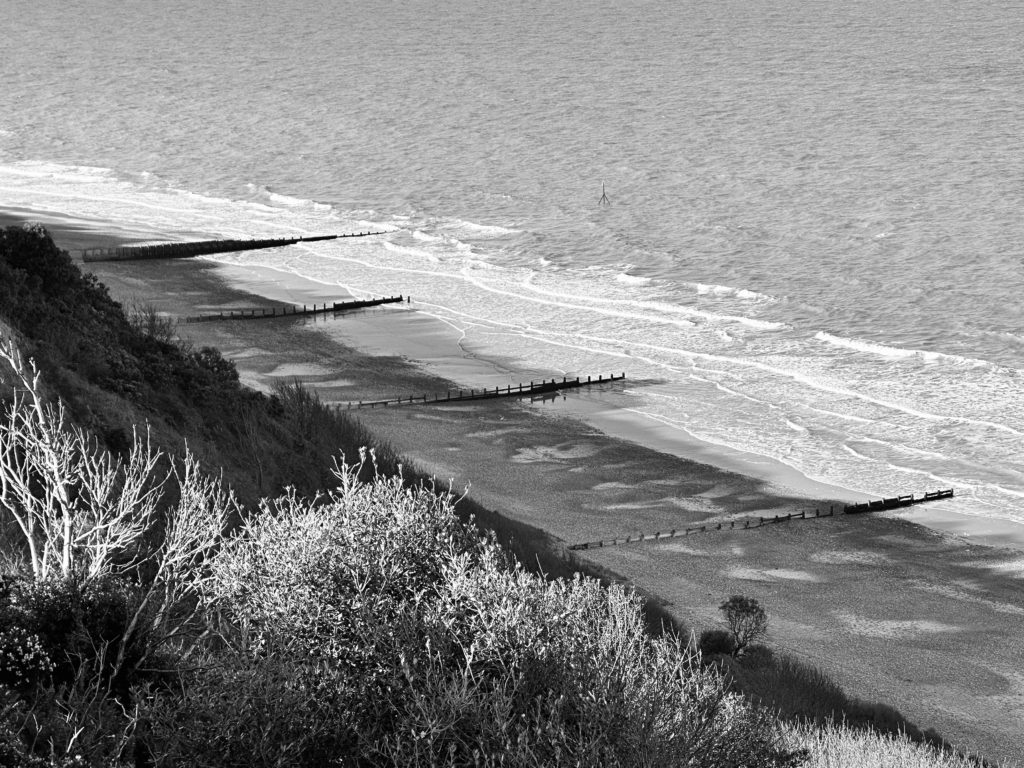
316, 309
752, 523
202, 247
544, 387
207, 247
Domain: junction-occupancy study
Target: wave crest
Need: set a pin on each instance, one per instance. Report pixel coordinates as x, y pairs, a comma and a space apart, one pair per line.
900, 353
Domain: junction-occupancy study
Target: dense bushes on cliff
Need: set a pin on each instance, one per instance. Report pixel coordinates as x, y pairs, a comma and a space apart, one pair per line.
74, 324
113, 374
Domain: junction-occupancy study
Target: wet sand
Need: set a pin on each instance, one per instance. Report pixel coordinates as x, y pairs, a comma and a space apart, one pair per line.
898, 613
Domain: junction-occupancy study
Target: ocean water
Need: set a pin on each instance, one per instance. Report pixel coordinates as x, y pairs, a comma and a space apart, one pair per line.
813, 247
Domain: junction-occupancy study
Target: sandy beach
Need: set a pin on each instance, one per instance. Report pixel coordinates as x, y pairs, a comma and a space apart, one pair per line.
897, 612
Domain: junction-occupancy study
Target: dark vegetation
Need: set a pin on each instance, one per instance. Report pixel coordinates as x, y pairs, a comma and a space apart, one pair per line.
356, 615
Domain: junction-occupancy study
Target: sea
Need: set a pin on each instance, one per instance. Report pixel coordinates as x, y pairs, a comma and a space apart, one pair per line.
809, 248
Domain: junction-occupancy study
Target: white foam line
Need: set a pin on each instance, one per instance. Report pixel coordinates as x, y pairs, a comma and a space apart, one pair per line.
530, 333
847, 416
801, 378
908, 470
903, 448
121, 201
673, 424
352, 290
933, 455
798, 377
809, 382
578, 307
659, 306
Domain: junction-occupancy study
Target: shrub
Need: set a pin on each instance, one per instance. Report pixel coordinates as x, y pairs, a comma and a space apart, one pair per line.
757, 655
83, 622
75, 725
834, 745
24, 662
235, 711
716, 642
376, 620
146, 320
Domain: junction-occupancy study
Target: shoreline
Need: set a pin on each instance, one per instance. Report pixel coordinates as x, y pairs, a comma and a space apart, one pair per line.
894, 611
428, 344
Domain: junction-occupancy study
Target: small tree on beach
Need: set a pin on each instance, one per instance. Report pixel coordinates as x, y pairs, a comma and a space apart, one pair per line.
745, 619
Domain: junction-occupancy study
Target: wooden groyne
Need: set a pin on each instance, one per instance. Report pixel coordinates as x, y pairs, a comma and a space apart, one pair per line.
751, 523
461, 395
896, 501
294, 311
201, 247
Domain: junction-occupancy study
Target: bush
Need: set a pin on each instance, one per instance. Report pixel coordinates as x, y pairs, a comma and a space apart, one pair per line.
757, 655
834, 745
266, 712
716, 642
24, 662
375, 621
76, 725
77, 623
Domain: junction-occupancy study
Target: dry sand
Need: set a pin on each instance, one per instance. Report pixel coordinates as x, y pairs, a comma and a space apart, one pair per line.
896, 612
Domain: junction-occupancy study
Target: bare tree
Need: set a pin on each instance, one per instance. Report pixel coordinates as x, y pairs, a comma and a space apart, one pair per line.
145, 319
746, 620
83, 513
76, 506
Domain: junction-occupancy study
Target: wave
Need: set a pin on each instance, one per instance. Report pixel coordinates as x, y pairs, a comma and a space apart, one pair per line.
655, 311
622, 277
705, 289
33, 169
478, 230
945, 482
884, 350
405, 250
288, 201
